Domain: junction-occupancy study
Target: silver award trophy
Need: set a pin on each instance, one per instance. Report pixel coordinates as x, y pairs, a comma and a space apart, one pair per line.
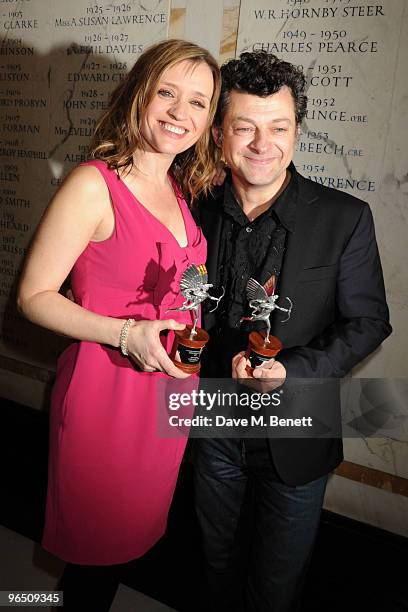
262, 301
189, 343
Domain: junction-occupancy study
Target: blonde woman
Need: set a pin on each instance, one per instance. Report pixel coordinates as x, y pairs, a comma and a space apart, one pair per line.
120, 225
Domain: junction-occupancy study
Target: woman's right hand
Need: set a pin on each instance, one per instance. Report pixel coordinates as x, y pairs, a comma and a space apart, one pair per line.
146, 350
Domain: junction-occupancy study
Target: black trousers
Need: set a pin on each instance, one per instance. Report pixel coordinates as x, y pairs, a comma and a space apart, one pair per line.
258, 532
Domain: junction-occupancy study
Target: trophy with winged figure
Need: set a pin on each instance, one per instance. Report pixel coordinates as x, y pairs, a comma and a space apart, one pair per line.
262, 301
190, 342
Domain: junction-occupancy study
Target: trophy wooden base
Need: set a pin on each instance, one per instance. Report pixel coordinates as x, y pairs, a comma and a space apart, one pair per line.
259, 350
186, 353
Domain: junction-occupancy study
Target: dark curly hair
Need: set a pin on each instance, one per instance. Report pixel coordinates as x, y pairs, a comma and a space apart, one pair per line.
260, 73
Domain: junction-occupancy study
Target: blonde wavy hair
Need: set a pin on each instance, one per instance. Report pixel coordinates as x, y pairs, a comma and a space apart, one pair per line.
117, 134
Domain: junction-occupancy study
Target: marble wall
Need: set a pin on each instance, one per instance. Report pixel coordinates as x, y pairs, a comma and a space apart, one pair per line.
58, 62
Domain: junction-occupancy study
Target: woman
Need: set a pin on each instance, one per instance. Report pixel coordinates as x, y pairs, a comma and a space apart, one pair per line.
120, 225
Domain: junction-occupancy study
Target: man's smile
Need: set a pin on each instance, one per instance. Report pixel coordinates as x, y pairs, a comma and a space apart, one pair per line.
260, 162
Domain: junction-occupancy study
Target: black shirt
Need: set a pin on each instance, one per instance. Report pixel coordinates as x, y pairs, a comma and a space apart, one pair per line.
247, 249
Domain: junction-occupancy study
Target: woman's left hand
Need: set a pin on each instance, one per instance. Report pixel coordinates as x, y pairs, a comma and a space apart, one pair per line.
147, 351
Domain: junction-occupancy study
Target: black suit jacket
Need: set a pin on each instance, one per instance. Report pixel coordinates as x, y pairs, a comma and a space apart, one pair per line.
332, 273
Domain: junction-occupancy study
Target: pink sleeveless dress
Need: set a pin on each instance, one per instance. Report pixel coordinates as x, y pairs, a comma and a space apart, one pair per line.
111, 477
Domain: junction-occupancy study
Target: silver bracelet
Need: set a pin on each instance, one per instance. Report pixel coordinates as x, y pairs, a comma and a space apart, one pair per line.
123, 338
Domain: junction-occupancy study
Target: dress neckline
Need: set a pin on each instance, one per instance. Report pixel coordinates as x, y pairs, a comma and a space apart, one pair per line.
181, 207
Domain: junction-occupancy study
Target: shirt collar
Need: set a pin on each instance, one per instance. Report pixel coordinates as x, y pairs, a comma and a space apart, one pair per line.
284, 208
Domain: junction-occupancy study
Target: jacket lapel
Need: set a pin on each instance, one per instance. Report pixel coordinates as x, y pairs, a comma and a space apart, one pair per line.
298, 245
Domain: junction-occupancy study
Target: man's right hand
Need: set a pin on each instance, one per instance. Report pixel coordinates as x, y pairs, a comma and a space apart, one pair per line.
264, 379
146, 350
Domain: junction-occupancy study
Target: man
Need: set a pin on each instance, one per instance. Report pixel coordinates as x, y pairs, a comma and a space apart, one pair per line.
268, 221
